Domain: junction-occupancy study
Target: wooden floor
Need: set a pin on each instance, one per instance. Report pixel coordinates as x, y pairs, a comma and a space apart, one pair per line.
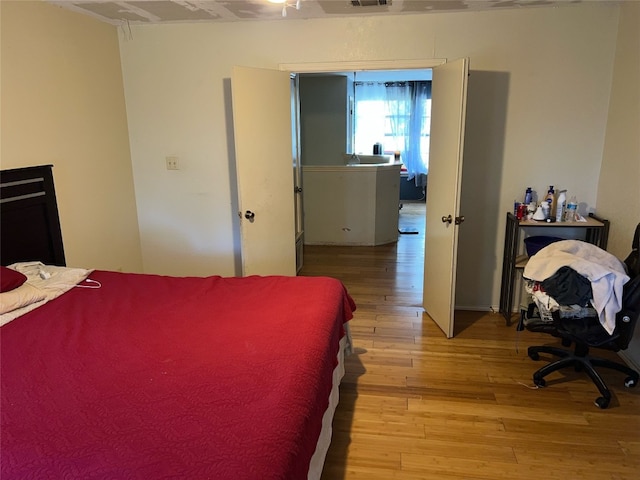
414, 405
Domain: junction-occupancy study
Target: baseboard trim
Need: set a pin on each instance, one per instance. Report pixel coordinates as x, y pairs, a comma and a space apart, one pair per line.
476, 308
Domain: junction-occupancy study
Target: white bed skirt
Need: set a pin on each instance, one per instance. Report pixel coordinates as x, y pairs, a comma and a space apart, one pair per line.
317, 461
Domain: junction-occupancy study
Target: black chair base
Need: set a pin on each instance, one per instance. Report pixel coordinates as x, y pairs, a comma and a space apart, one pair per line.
581, 361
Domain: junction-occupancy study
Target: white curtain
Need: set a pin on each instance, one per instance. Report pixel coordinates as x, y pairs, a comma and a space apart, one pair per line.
397, 109
370, 117
396, 114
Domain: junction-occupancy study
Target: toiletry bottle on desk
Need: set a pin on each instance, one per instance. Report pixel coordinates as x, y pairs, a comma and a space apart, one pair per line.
561, 206
551, 200
545, 209
528, 196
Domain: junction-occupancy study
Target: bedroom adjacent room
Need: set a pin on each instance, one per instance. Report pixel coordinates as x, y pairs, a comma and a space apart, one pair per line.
133, 104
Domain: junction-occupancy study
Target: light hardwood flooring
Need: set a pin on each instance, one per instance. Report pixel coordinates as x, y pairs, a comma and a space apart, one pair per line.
414, 405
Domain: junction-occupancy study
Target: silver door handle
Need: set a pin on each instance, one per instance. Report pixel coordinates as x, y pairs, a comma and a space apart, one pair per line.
448, 219
249, 215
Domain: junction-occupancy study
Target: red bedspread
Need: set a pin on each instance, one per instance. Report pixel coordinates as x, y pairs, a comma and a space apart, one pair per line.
155, 377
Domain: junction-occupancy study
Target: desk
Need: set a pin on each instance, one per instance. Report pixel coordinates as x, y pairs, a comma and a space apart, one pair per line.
595, 230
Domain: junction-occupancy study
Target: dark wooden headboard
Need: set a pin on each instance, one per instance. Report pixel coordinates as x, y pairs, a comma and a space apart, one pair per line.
29, 221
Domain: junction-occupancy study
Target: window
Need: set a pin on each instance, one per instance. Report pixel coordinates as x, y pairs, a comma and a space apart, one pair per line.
398, 115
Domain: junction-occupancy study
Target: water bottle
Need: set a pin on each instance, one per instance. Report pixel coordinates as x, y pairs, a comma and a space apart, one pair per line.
572, 209
528, 196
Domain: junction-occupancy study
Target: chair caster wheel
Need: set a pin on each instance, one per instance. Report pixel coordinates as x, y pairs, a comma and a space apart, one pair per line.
630, 382
534, 356
539, 382
602, 402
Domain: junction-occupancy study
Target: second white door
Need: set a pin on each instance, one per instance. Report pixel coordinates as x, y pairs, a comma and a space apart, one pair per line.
448, 109
263, 141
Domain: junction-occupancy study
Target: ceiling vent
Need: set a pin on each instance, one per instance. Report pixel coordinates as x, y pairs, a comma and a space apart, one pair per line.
370, 3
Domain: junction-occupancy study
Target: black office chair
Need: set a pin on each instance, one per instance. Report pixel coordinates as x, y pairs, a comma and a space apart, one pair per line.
586, 333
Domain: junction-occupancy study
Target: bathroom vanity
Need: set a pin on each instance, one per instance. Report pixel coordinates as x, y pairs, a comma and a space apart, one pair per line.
353, 204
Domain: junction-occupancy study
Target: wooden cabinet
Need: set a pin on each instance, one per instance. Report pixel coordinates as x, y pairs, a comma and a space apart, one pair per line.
594, 230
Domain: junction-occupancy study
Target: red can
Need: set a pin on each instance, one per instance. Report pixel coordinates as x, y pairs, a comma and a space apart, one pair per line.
522, 211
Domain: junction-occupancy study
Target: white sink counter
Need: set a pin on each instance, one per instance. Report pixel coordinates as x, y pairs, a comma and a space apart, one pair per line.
375, 166
354, 204
378, 165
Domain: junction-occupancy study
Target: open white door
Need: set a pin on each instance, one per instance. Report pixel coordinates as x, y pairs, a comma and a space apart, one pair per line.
262, 128
448, 108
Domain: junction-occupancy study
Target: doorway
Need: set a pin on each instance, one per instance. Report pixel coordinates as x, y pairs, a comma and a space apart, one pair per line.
451, 96
342, 114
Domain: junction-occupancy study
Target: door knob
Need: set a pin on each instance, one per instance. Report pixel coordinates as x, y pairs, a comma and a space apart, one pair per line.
448, 219
459, 219
249, 215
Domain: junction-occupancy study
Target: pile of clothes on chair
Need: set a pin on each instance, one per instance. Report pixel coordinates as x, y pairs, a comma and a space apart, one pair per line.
589, 299
580, 282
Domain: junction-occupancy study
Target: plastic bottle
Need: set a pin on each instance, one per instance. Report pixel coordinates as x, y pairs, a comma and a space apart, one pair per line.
551, 200
572, 209
528, 196
561, 205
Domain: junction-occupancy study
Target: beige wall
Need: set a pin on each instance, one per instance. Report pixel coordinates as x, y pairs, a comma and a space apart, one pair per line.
538, 103
619, 185
619, 181
537, 115
63, 104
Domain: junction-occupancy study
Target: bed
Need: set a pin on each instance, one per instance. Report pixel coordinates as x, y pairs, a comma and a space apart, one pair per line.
139, 376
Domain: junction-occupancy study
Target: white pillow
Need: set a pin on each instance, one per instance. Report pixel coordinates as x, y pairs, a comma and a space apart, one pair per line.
24, 295
52, 280
44, 283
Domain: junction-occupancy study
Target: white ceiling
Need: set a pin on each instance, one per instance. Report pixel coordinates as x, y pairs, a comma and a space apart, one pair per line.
183, 11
